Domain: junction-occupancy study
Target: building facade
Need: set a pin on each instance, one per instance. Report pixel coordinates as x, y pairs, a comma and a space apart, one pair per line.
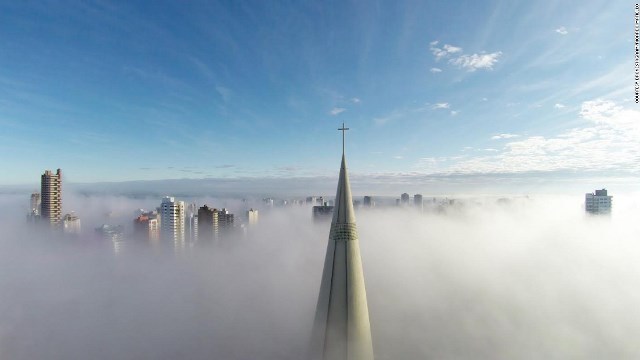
404, 199
172, 219
147, 226
417, 201
368, 201
207, 224
225, 221
598, 202
51, 197
35, 204
71, 224
252, 217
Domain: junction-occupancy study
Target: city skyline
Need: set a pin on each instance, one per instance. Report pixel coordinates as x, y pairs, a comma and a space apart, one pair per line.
542, 94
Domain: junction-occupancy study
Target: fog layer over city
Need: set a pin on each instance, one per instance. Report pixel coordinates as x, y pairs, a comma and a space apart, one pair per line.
528, 278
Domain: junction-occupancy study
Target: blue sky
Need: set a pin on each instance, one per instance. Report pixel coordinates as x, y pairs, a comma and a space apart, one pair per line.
166, 90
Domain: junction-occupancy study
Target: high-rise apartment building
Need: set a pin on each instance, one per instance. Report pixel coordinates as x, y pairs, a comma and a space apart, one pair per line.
404, 199
252, 217
598, 202
35, 204
207, 224
147, 226
51, 197
172, 219
71, 224
368, 201
417, 201
225, 220
192, 227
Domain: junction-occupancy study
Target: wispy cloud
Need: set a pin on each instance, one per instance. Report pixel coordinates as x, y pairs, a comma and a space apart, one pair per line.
337, 110
562, 30
559, 106
399, 114
442, 105
470, 62
355, 100
504, 136
454, 112
474, 62
435, 70
443, 52
224, 92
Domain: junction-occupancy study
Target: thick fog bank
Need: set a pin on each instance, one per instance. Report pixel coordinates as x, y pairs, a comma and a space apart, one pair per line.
526, 279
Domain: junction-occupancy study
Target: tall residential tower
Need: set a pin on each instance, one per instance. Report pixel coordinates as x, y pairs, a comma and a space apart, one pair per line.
51, 197
172, 216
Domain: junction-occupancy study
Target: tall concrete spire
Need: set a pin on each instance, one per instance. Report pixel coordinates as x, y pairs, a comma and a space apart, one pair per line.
341, 328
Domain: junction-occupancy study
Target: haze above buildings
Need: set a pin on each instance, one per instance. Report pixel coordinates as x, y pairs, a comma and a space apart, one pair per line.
460, 97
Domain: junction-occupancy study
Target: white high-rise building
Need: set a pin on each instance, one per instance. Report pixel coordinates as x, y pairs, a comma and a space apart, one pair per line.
598, 202
172, 218
252, 217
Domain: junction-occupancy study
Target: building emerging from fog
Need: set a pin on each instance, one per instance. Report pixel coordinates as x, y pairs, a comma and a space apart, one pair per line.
225, 221
207, 224
51, 197
417, 201
34, 209
598, 202
341, 327
322, 212
252, 217
147, 226
35, 204
71, 224
172, 216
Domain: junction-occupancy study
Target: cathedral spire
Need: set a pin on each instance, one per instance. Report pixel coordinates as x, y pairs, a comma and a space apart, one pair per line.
341, 328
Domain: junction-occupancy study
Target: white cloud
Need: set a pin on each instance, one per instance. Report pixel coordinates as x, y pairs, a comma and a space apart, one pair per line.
337, 110
398, 157
504, 136
443, 105
562, 30
435, 70
471, 62
485, 99
474, 62
490, 150
611, 142
450, 49
559, 106
454, 112
355, 100
443, 52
